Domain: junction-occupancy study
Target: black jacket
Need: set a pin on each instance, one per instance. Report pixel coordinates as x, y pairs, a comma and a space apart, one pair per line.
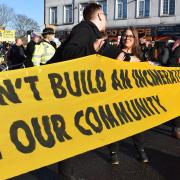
16, 56
164, 56
80, 43
29, 52
174, 58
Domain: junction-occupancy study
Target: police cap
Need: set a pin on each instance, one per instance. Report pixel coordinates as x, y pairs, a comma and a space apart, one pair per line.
48, 31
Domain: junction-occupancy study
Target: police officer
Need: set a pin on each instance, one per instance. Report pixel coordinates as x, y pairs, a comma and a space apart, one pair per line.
45, 50
30, 49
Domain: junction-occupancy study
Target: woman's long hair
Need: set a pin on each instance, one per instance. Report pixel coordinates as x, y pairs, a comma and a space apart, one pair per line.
136, 49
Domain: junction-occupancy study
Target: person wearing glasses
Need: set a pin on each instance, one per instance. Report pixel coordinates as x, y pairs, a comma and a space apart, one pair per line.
131, 51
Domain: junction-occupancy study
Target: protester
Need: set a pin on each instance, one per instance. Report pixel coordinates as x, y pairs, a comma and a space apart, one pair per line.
147, 48
176, 130
4, 51
174, 61
87, 38
16, 55
163, 53
131, 52
45, 50
30, 49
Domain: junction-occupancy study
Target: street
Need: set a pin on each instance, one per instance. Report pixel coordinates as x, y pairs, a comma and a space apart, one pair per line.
163, 151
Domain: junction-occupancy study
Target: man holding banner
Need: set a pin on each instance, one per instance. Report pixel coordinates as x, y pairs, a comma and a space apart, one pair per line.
77, 45
86, 39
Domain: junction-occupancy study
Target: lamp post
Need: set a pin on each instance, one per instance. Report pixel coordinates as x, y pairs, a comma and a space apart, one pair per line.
73, 4
44, 13
29, 33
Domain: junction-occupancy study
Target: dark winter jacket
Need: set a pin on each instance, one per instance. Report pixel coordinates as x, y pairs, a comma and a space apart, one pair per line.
16, 56
174, 59
80, 43
29, 52
164, 56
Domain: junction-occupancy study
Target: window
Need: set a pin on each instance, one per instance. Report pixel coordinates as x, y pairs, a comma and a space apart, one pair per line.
167, 7
81, 9
53, 15
104, 6
172, 7
121, 9
143, 8
68, 14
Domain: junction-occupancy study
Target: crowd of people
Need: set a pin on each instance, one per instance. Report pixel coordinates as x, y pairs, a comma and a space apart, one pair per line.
44, 50
37, 52
87, 38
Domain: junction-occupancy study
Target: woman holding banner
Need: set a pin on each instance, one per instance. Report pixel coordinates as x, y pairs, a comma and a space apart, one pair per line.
131, 51
174, 61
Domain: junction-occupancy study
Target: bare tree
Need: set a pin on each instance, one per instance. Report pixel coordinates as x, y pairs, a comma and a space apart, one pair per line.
22, 24
6, 15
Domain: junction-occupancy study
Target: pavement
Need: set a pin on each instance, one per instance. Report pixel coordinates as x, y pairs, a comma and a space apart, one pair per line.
163, 151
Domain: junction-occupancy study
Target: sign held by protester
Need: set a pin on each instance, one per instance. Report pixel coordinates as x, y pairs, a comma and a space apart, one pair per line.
7, 35
49, 110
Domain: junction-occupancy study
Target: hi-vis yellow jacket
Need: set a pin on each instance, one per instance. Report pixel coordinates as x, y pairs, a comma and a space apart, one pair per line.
43, 52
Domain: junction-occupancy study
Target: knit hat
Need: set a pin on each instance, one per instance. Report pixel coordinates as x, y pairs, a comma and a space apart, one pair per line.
34, 36
48, 31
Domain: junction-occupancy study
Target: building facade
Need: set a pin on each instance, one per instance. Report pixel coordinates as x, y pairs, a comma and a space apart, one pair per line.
154, 17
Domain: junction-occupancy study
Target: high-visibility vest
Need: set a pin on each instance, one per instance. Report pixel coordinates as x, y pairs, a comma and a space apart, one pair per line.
43, 52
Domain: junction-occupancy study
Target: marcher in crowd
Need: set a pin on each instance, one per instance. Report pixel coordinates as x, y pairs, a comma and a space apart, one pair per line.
86, 38
16, 55
45, 50
174, 61
131, 51
147, 48
163, 53
5, 51
30, 49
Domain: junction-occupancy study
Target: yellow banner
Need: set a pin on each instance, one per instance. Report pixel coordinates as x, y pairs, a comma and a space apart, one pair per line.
7, 35
57, 111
